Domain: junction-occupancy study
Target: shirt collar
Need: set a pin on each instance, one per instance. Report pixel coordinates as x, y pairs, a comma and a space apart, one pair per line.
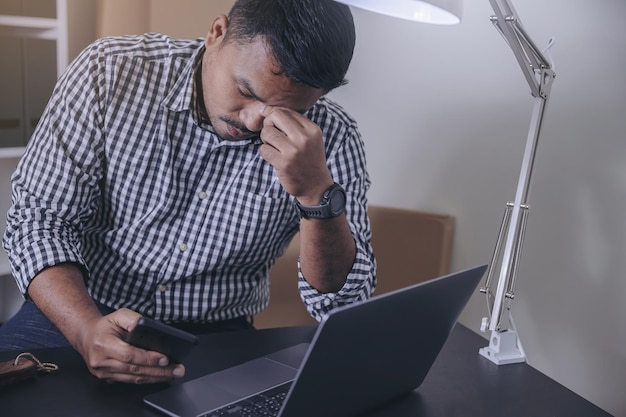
185, 93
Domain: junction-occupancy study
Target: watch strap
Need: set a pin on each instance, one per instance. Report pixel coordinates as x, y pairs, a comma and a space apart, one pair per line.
324, 209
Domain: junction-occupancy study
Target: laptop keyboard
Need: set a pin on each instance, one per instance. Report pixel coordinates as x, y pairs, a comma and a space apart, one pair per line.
264, 404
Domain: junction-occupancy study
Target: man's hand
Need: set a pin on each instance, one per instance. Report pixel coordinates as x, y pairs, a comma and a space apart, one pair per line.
59, 292
294, 146
110, 358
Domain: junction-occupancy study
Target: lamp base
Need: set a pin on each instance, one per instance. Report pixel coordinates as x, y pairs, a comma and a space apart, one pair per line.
504, 348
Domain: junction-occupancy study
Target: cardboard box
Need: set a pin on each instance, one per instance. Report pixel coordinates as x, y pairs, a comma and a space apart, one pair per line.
410, 247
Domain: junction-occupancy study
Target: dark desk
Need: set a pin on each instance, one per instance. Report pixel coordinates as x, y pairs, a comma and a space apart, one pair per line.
461, 382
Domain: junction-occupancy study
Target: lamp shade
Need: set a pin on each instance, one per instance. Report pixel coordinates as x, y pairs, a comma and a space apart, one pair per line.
442, 12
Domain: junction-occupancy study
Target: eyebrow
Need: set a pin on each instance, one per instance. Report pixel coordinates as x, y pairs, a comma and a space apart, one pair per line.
246, 85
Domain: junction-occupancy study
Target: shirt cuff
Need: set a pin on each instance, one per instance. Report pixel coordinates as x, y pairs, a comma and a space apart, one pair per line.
359, 286
30, 257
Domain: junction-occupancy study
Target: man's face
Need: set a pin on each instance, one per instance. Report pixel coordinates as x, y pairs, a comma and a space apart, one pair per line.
239, 80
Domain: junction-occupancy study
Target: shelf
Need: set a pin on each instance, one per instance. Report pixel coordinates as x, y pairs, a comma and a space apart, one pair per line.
29, 27
32, 27
41, 28
12, 153
29, 22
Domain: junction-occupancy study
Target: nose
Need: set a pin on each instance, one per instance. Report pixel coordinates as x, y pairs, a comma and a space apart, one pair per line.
251, 116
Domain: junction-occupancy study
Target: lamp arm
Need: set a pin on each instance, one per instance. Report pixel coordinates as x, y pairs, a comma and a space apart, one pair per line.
539, 74
536, 68
514, 223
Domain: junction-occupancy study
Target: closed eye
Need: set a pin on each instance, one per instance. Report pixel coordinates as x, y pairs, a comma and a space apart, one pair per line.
246, 91
246, 94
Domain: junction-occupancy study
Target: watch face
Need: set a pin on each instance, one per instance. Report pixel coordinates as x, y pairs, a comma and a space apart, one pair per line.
333, 204
337, 202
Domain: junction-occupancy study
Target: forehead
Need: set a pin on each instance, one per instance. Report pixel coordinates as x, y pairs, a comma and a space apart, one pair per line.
254, 70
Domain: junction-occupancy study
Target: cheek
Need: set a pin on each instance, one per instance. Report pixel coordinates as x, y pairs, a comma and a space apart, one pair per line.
221, 103
228, 100
219, 94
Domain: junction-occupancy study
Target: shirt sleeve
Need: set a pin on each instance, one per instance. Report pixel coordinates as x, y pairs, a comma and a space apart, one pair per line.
346, 160
55, 186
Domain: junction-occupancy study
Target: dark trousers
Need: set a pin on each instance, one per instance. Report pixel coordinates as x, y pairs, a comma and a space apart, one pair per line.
30, 329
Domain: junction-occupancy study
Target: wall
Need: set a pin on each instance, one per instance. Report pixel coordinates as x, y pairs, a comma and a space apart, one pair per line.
81, 27
444, 112
182, 18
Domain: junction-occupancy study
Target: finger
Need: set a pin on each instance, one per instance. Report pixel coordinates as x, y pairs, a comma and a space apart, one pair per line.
142, 357
124, 318
140, 366
127, 320
149, 374
121, 354
271, 154
285, 120
284, 130
141, 375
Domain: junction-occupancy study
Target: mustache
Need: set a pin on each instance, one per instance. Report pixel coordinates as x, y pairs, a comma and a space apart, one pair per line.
238, 125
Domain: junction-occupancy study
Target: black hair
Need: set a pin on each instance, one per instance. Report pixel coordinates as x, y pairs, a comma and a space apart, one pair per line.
312, 41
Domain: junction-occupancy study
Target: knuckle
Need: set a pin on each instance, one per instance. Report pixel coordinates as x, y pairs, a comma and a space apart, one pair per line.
94, 363
96, 372
127, 355
135, 369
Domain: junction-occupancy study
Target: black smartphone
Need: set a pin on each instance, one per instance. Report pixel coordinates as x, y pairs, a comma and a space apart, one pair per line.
153, 335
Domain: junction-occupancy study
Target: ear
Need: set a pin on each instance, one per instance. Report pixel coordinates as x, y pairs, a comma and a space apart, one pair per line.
217, 31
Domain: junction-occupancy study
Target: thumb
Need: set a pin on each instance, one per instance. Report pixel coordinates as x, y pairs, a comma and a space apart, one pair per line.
124, 318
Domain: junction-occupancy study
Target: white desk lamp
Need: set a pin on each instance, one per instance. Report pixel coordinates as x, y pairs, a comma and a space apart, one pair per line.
504, 344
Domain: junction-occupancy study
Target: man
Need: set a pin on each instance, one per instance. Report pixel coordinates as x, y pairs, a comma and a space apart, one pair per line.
166, 176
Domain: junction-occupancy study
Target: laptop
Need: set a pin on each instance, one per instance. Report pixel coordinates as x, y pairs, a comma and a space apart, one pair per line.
361, 356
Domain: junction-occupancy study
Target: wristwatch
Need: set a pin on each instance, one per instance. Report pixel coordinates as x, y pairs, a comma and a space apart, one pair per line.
333, 203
